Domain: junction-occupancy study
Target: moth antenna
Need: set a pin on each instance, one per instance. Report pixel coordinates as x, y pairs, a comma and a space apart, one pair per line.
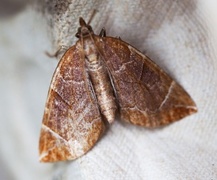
92, 16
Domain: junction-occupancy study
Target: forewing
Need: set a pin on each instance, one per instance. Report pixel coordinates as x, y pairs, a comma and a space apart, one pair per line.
147, 96
72, 122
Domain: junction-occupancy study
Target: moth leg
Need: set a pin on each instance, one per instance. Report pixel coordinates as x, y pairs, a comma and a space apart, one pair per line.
58, 52
102, 33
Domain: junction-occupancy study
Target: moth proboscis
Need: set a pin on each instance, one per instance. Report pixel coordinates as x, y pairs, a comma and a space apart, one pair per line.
97, 78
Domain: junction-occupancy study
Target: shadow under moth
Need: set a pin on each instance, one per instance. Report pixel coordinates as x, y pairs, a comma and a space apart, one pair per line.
97, 79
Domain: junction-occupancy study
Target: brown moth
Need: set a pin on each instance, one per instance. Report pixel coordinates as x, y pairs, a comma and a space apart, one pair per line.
96, 79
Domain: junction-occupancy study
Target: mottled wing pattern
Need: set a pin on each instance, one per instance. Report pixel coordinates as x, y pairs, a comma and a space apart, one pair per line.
72, 122
147, 96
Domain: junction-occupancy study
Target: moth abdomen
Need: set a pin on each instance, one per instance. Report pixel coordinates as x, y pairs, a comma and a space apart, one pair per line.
104, 93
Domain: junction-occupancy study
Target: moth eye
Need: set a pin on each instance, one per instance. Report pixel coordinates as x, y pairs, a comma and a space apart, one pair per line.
90, 28
77, 35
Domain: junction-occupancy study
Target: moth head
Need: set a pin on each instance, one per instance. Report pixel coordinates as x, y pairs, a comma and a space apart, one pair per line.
84, 29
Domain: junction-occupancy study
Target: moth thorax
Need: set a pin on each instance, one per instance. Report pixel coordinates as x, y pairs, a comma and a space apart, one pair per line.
93, 62
92, 57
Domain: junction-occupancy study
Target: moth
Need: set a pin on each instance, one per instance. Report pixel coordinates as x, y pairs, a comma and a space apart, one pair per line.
98, 79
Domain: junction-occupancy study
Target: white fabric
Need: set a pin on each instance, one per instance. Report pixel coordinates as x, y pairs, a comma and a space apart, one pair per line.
180, 36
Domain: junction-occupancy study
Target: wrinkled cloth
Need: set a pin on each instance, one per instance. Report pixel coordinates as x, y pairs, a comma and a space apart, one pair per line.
180, 36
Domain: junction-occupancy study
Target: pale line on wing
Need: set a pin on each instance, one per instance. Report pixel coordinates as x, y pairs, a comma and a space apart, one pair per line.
168, 93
